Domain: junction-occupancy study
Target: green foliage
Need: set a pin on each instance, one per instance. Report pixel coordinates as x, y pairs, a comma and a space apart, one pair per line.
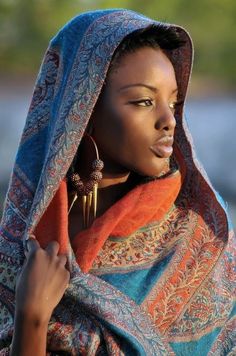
26, 27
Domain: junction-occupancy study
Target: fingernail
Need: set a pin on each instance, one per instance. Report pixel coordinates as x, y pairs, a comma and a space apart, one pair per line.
31, 237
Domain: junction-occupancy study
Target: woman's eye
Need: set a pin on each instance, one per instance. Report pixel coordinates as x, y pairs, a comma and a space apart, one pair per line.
173, 105
143, 102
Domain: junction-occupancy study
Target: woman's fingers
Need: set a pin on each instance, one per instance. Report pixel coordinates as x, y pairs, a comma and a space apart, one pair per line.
31, 245
62, 259
52, 248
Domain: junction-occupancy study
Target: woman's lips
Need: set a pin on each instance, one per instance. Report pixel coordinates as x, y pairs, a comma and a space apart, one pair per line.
163, 148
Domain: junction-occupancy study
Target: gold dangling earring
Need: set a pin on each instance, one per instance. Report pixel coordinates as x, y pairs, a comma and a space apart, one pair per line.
88, 190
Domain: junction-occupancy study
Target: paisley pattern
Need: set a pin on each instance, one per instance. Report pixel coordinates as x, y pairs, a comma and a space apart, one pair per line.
188, 302
43, 95
82, 89
225, 344
146, 246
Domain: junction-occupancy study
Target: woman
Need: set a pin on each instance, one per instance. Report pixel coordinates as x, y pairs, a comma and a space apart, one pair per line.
144, 266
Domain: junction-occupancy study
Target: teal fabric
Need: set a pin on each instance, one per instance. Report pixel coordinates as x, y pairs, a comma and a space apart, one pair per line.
103, 316
200, 347
137, 284
103, 320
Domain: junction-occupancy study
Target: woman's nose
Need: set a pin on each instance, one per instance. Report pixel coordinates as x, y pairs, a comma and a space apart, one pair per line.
165, 120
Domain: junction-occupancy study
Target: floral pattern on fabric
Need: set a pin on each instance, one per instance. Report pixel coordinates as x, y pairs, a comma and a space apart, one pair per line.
94, 317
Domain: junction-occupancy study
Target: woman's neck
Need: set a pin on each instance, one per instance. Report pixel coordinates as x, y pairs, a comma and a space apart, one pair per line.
110, 190
113, 179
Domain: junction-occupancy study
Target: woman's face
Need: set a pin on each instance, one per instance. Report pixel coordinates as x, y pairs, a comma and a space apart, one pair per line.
133, 121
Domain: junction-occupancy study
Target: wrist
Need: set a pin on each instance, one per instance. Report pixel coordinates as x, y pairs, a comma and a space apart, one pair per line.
35, 320
29, 336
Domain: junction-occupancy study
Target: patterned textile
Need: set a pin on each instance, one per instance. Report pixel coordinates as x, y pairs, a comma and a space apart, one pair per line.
162, 287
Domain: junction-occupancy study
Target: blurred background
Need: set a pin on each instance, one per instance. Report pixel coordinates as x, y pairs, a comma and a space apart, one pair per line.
27, 26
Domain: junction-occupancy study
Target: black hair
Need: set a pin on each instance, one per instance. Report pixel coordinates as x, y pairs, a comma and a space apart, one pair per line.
161, 36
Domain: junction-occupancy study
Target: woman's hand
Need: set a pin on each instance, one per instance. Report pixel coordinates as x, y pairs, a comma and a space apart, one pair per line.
39, 288
42, 282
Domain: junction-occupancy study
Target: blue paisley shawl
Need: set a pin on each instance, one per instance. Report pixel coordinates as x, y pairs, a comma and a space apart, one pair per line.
98, 315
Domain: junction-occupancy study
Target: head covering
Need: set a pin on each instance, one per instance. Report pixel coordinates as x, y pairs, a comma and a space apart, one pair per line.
67, 88
69, 82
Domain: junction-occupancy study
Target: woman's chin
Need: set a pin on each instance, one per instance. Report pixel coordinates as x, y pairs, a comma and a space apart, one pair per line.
154, 172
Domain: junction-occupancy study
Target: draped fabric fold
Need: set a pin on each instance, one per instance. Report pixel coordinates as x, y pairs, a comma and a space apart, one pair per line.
155, 274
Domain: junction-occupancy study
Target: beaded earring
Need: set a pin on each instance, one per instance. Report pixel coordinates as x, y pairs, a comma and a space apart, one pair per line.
88, 190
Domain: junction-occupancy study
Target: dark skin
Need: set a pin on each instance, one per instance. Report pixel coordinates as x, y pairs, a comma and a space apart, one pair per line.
133, 115
39, 289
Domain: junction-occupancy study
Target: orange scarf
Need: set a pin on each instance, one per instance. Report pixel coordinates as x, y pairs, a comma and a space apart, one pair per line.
143, 205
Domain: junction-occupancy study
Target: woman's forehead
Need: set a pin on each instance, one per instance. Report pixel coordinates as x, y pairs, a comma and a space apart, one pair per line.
145, 67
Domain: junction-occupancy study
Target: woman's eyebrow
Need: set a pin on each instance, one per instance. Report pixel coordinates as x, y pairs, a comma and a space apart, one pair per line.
139, 85
155, 90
